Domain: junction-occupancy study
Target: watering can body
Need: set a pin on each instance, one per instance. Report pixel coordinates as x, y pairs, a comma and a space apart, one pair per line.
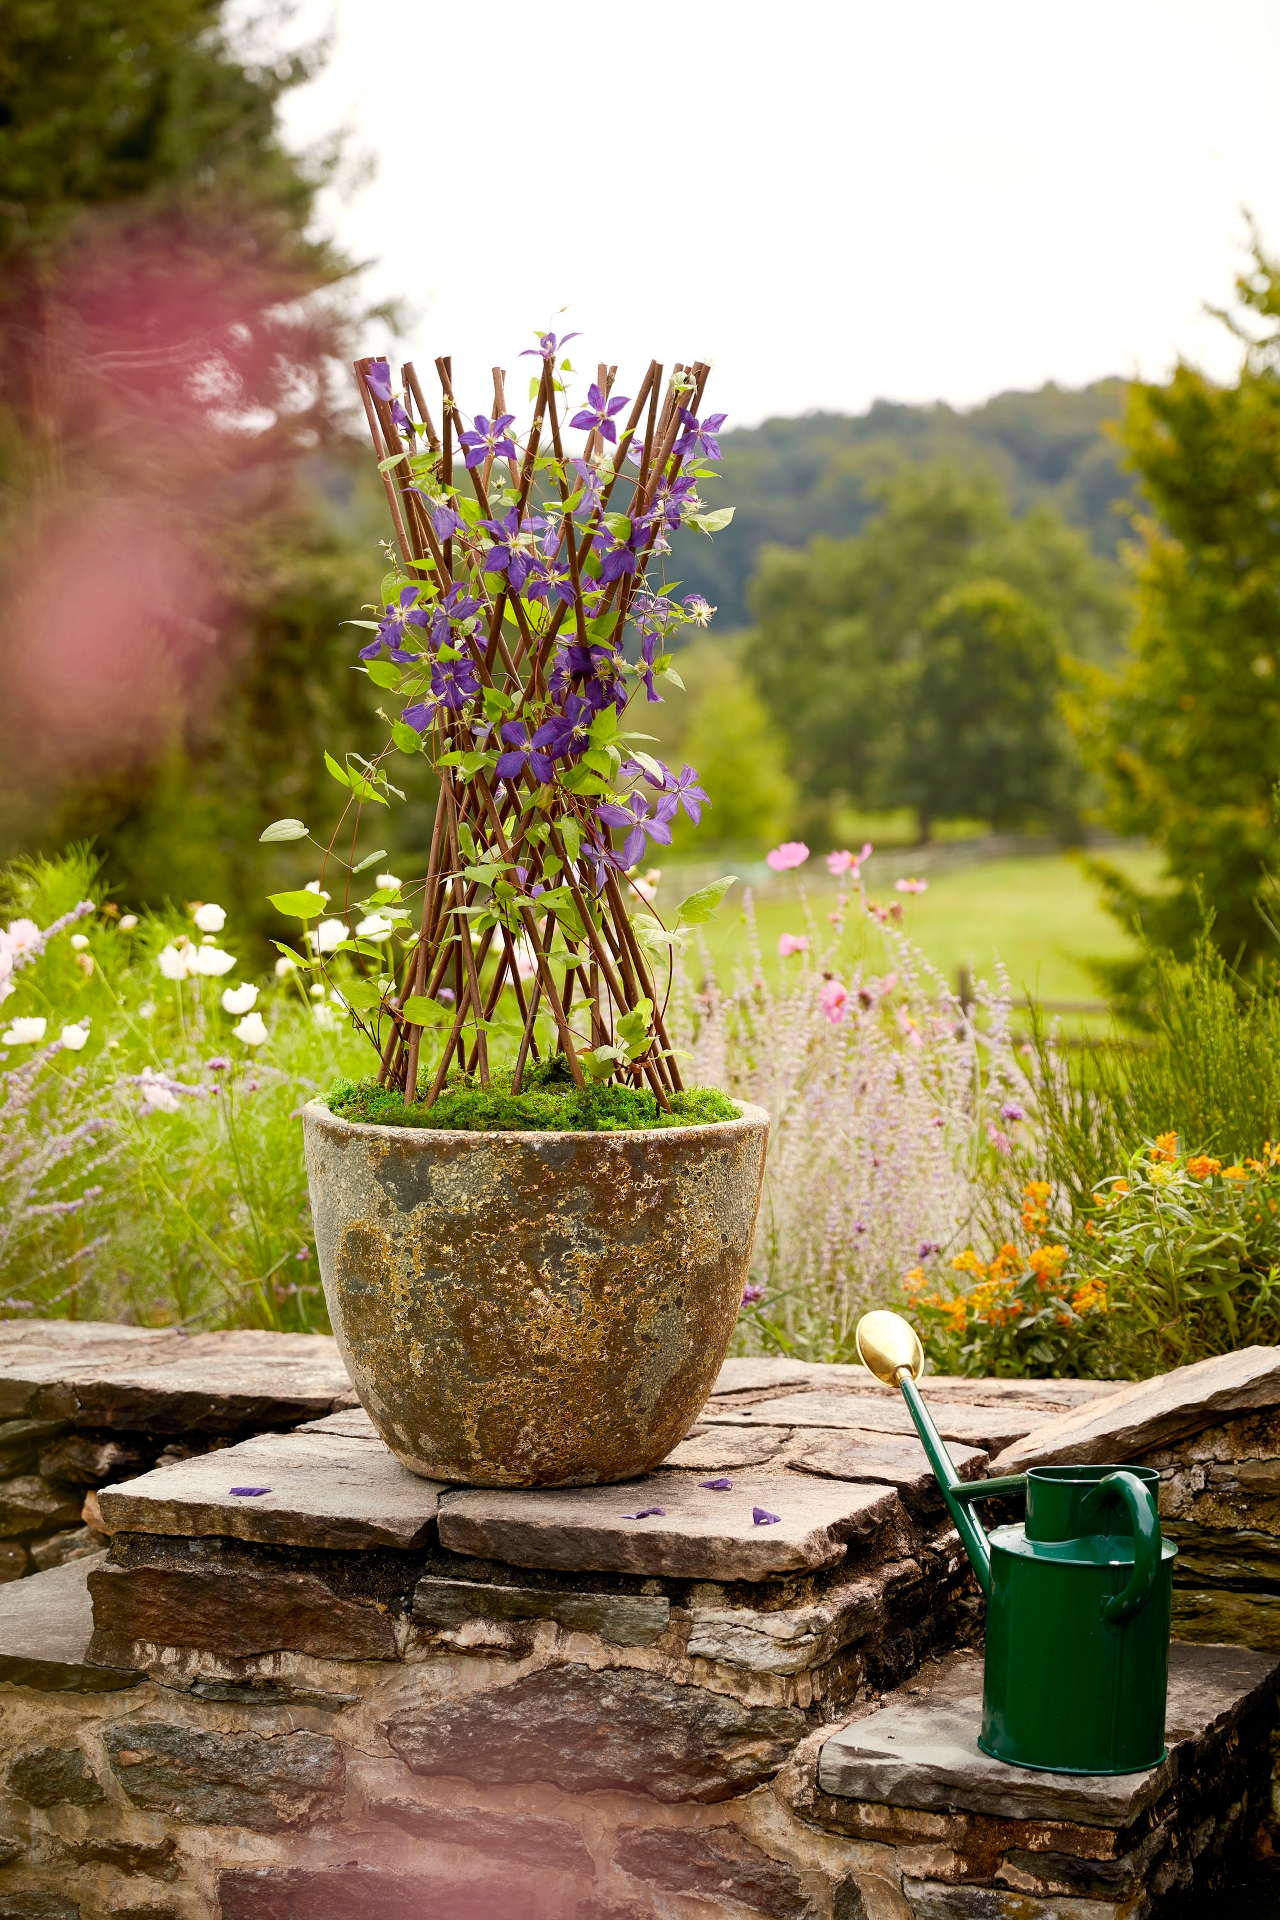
1078, 1596
1077, 1652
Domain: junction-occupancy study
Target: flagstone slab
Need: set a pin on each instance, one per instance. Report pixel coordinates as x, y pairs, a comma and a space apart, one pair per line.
990, 1428
886, 1459
321, 1489
45, 1626
699, 1533
1148, 1414
771, 1372
159, 1380
713, 1449
921, 1750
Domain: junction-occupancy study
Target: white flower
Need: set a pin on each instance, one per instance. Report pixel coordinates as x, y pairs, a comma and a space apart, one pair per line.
646, 885
6, 988
214, 961
126, 921
239, 999
26, 1032
252, 1030
387, 882
79, 941
6, 963
155, 1094
210, 918
329, 933
313, 886
285, 965
317, 991
19, 935
74, 1037
177, 963
324, 1016
374, 927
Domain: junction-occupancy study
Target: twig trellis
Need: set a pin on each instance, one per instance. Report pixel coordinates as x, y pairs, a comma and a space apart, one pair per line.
517, 586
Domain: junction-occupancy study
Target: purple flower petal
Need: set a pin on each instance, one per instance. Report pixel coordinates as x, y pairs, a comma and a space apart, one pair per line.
716, 1486
645, 1513
248, 1493
763, 1519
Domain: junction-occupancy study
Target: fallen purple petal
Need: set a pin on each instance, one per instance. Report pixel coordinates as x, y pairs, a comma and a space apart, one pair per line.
248, 1493
646, 1513
716, 1486
763, 1519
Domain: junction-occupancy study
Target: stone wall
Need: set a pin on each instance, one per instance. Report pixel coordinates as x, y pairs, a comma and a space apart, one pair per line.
301, 1684
84, 1404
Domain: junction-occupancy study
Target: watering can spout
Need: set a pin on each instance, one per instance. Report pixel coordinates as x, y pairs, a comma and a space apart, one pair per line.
889, 1347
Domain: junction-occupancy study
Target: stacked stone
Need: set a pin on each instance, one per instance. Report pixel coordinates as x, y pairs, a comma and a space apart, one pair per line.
84, 1404
1212, 1431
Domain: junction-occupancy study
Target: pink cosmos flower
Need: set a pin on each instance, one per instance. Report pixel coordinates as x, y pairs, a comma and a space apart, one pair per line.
789, 943
20, 935
911, 886
792, 853
833, 997
846, 862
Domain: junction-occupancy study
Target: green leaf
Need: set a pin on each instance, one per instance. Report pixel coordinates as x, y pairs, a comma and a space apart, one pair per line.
284, 830
363, 994
601, 1061
653, 936
407, 738
633, 1029
571, 836
299, 905
420, 1010
600, 760
340, 774
650, 765
384, 674
618, 525
669, 673
711, 522
369, 860
373, 625
699, 907
385, 466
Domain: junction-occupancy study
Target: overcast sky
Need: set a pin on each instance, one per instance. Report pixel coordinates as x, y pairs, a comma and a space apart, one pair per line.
831, 200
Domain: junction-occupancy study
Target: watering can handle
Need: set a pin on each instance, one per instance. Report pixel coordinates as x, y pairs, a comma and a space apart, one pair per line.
1127, 1487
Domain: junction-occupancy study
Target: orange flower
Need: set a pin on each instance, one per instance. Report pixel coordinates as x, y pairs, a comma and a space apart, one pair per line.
1166, 1147
1007, 1261
968, 1262
913, 1281
1047, 1263
958, 1316
1090, 1298
1200, 1166
1234, 1173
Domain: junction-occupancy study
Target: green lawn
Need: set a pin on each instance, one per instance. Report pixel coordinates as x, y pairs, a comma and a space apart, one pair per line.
1040, 915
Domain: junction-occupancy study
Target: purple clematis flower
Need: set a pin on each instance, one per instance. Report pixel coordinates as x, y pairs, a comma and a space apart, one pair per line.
444, 516
453, 682
673, 500
548, 346
647, 1513
598, 414
616, 556
634, 815
567, 735
522, 752
507, 555
592, 483
397, 617
379, 381
686, 792
597, 671
456, 607
700, 438
550, 578
420, 715
248, 1493
487, 438
716, 1486
763, 1519
649, 644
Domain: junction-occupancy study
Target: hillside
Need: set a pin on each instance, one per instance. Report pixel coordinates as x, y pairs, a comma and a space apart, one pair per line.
790, 479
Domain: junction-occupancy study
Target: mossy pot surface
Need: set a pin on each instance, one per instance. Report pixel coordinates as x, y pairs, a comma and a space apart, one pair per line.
533, 1309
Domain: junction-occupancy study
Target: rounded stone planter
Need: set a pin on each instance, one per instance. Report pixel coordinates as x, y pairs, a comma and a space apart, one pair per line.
533, 1309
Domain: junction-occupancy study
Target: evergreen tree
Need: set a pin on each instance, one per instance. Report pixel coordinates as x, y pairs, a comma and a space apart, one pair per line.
1187, 737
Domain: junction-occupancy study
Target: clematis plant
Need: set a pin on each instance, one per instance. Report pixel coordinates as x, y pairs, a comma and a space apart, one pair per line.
521, 621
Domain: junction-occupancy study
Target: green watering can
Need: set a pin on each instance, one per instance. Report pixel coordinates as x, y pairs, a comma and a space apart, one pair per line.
1078, 1598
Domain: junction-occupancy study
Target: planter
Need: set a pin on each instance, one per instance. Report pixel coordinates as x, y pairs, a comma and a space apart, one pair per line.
533, 1309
